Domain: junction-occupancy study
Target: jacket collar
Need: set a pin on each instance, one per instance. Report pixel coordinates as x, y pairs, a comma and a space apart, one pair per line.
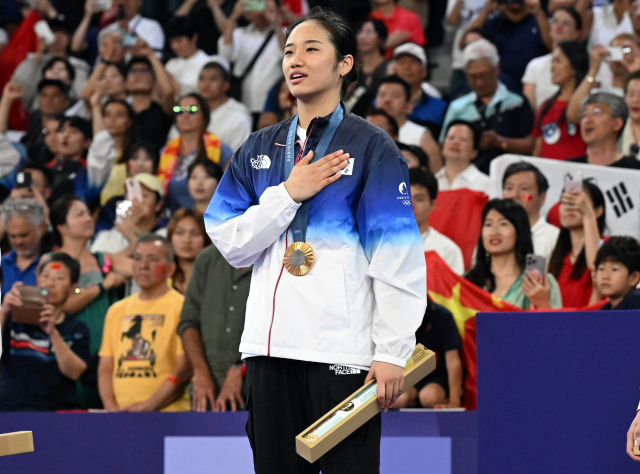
319, 124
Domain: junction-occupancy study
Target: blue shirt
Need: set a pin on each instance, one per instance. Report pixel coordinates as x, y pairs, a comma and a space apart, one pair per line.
518, 43
429, 112
11, 273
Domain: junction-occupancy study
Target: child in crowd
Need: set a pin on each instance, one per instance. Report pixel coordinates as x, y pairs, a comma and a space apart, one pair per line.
618, 273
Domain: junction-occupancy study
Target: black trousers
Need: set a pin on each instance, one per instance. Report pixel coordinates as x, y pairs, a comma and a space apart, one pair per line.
284, 397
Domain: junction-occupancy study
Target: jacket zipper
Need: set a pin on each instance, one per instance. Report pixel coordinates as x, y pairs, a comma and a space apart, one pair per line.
286, 244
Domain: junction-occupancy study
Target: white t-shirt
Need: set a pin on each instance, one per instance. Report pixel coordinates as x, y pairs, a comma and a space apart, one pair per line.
146, 28
605, 26
471, 178
411, 133
266, 71
468, 13
544, 236
445, 248
538, 73
187, 70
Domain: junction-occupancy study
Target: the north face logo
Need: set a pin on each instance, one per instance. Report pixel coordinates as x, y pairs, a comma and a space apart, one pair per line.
343, 370
262, 162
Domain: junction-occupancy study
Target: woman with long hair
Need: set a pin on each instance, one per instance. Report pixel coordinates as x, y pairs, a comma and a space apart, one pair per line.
194, 142
504, 243
320, 206
114, 132
556, 137
204, 176
73, 228
582, 216
188, 237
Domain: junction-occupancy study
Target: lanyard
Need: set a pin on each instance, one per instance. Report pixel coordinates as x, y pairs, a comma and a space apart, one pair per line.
299, 223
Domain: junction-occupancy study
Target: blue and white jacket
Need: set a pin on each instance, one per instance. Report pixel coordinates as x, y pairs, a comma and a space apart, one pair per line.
365, 296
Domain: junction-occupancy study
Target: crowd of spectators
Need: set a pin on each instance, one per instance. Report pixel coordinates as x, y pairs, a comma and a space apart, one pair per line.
118, 121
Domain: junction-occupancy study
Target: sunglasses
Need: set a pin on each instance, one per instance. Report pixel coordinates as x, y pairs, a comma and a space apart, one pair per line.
179, 109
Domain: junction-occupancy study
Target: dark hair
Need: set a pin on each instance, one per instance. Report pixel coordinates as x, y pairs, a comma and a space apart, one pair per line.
632, 77
218, 67
484, 33
470, 126
426, 179
341, 36
418, 152
380, 28
131, 134
563, 245
120, 67
623, 250
70, 69
579, 59
78, 123
59, 212
149, 148
393, 79
180, 26
574, 14
524, 167
393, 124
71, 263
59, 25
206, 117
150, 237
213, 169
32, 165
178, 216
139, 60
480, 275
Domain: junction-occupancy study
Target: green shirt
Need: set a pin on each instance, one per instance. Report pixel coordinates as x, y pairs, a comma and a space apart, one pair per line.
516, 297
215, 304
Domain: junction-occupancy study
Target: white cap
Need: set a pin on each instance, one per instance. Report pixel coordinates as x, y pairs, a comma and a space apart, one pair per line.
221, 61
411, 49
480, 49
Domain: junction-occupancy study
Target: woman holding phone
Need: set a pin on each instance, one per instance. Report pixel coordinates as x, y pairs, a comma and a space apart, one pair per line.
320, 206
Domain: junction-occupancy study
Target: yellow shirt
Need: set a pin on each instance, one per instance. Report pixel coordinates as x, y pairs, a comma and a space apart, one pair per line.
115, 184
142, 339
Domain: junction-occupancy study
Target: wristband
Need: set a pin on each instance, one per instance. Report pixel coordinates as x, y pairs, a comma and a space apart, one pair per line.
102, 288
172, 379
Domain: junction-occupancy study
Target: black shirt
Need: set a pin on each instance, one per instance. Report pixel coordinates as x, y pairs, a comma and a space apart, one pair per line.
630, 301
624, 162
439, 333
153, 125
30, 379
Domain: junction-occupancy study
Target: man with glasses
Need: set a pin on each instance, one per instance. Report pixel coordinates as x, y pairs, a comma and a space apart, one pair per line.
153, 119
602, 120
24, 222
504, 119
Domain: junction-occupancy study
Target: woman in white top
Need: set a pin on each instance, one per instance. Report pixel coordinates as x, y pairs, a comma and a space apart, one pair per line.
630, 139
459, 148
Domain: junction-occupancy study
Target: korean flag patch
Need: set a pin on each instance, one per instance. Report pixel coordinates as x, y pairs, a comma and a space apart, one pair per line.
349, 169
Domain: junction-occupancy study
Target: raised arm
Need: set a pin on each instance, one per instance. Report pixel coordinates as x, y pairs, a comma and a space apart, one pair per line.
488, 8
12, 91
533, 6
185, 8
164, 81
597, 55
79, 39
218, 15
109, 51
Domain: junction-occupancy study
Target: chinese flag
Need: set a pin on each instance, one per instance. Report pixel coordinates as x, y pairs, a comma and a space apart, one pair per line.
464, 223
464, 300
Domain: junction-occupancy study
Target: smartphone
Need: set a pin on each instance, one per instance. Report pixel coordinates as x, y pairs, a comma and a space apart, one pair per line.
537, 265
104, 5
254, 5
43, 30
615, 53
33, 301
129, 38
121, 210
572, 183
134, 190
23, 180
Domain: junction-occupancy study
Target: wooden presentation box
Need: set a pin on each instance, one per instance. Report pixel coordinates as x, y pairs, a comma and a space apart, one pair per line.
357, 409
16, 443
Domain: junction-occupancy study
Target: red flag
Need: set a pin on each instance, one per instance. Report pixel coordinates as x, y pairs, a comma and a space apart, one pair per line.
465, 300
22, 42
464, 224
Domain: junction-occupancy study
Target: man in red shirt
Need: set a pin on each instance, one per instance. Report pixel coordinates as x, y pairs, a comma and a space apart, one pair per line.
403, 25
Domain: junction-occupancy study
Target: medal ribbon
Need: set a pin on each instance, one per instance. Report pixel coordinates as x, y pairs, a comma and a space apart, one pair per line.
299, 223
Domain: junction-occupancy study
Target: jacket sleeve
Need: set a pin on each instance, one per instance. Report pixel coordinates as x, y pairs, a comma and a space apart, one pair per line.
240, 229
392, 243
100, 158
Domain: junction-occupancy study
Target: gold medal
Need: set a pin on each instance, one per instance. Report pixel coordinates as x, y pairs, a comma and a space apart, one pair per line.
299, 258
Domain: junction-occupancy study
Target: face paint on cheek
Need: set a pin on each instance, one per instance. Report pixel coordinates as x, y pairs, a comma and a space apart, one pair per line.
160, 270
528, 197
